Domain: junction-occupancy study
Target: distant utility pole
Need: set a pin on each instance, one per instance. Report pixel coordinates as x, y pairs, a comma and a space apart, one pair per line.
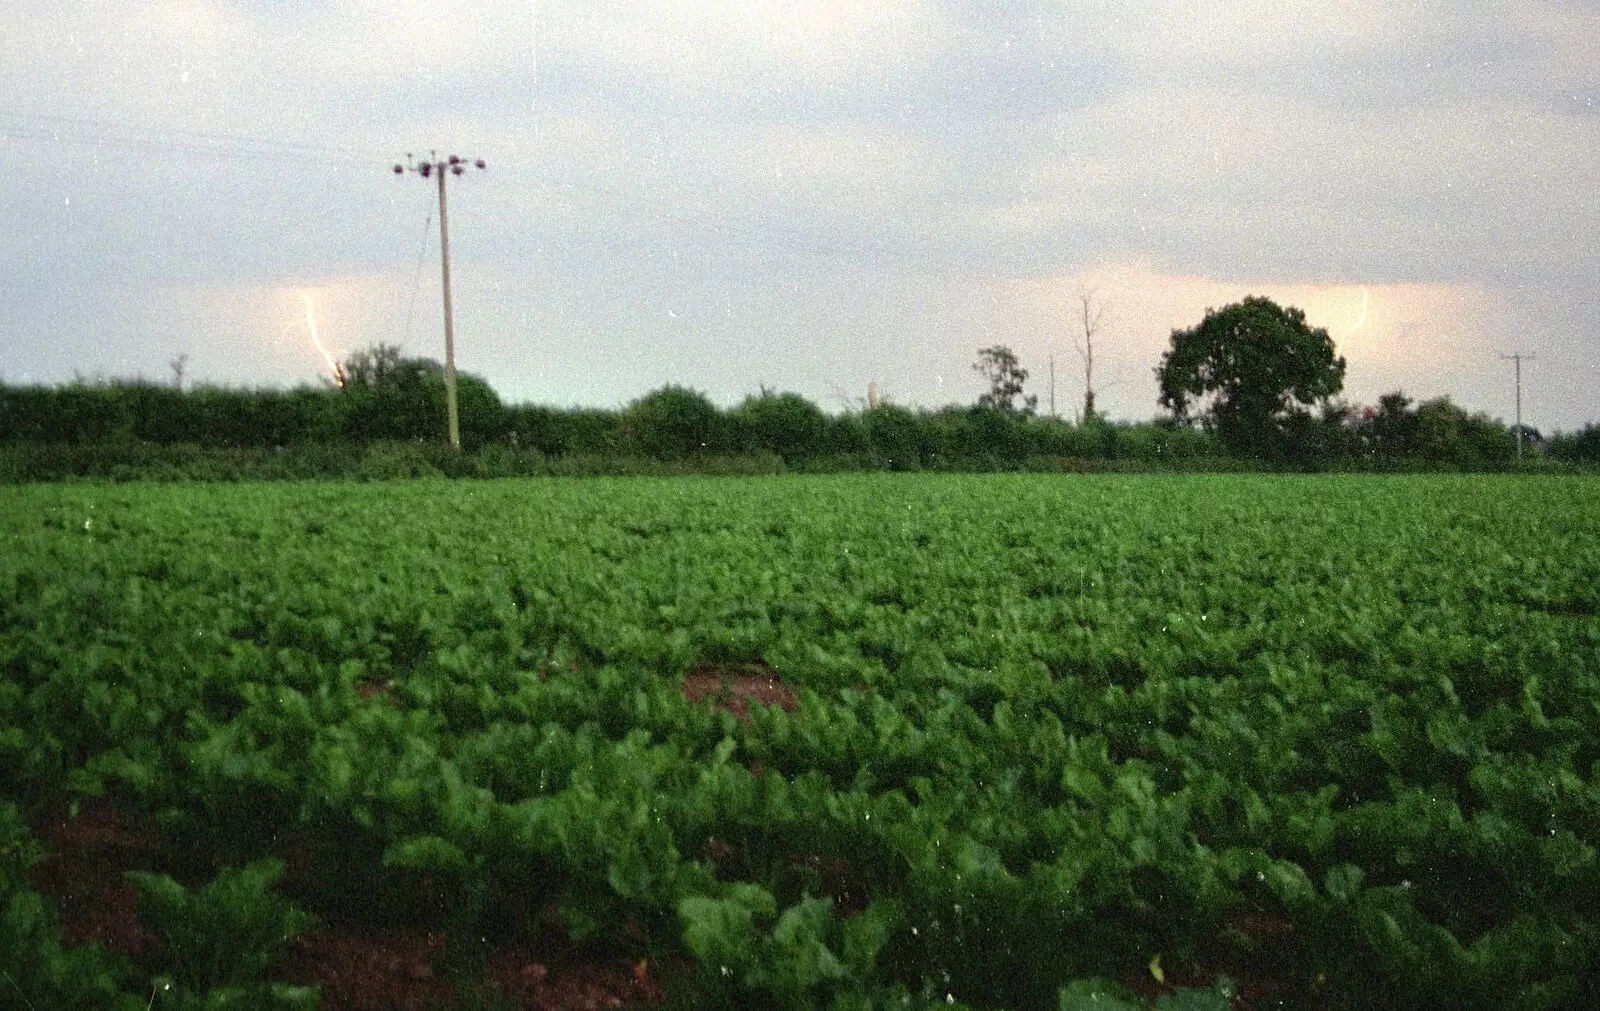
1517, 359
442, 167
1052, 384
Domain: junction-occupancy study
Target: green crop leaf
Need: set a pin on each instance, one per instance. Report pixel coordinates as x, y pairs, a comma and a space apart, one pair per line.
227, 932
1288, 881
1217, 997
1104, 995
866, 934
1097, 995
1044, 727
1343, 882
802, 958
723, 931
426, 853
167, 993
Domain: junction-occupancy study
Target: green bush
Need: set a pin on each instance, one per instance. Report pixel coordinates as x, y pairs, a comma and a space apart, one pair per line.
1448, 434
392, 425
785, 424
896, 436
1582, 446
555, 432
672, 423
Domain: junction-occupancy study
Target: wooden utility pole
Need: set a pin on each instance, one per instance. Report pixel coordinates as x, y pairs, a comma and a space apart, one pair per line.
1517, 359
452, 165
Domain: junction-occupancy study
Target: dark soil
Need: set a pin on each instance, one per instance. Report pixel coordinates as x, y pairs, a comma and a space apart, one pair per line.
366, 689
357, 967
734, 690
83, 872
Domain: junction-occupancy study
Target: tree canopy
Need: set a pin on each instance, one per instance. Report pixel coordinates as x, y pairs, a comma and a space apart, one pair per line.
998, 364
1250, 369
672, 423
783, 423
390, 396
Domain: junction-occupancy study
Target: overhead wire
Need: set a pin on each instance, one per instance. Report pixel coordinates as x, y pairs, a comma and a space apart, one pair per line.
787, 241
422, 253
169, 140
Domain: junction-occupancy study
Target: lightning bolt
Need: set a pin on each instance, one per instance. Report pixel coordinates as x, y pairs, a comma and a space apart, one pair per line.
1361, 318
311, 327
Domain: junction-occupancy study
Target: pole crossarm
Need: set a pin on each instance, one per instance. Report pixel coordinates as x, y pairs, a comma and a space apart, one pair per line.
435, 166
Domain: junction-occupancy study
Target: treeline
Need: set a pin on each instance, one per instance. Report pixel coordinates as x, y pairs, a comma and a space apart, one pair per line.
388, 422
405, 407
1437, 434
392, 429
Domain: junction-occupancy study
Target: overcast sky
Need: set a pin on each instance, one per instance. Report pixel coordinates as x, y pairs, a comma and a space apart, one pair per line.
806, 195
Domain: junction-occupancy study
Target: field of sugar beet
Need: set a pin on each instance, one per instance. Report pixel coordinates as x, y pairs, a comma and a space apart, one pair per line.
1001, 741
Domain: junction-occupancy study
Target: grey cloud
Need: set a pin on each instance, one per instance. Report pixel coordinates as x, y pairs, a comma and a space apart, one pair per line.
1579, 101
805, 206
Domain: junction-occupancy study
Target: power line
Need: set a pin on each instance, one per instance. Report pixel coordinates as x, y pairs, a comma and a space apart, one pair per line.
711, 223
416, 280
169, 140
88, 132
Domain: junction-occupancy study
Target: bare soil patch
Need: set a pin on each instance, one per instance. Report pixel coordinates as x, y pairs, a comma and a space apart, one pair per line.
734, 689
84, 873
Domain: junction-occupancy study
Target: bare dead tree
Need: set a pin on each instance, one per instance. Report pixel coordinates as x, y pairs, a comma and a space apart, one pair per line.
846, 402
177, 365
1092, 316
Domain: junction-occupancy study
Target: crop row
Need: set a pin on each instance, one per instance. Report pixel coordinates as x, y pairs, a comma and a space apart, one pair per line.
1334, 738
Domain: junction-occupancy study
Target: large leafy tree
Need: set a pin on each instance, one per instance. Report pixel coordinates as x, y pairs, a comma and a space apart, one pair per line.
1248, 371
998, 364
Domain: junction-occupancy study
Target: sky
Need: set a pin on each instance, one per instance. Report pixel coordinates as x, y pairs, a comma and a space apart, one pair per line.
806, 195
